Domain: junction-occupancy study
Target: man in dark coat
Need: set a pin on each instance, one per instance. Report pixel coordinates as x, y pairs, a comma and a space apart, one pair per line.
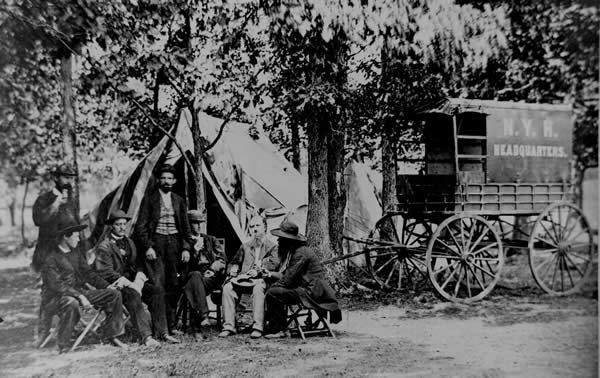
116, 262
202, 271
48, 207
301, 280
66, 276
162, 234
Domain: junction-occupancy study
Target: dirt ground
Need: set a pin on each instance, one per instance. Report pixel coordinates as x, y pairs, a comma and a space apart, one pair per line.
515, 332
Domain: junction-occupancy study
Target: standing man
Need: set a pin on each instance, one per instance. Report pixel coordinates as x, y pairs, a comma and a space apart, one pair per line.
162, 233
203, 271
255, 259
48, 207
302, 281
66, 274
116, 262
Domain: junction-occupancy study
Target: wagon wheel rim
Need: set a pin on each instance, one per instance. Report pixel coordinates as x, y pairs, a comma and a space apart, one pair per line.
561, 249
464, 258
392, 265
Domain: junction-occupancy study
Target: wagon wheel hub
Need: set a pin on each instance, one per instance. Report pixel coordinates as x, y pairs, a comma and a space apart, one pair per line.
564, 247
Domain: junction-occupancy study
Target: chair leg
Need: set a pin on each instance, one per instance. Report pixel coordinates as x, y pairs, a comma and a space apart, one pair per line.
87, 328
51, 334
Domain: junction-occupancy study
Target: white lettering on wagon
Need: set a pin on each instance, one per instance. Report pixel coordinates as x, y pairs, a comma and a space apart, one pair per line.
529, 150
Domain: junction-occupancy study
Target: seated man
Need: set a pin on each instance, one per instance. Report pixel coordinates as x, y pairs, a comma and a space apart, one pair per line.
203, 271
302, 281
117, 263
255, 259
65, 273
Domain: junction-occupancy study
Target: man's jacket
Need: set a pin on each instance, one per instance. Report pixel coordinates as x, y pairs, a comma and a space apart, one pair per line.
66, 274
267, 255
116, 258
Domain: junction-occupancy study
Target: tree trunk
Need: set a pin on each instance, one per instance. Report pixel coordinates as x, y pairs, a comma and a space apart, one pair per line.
388, 165
69, 135
23, 205
198, 154
317, 220
11, 209
337, 189
295, 130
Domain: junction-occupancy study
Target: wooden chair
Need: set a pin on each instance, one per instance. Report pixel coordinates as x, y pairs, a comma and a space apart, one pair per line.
306, 321
89, 327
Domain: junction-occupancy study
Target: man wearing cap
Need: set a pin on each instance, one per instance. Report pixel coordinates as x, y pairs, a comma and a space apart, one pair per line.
163, 235
66, 274
48, 207
302, 280
202, 271
116, 262
255, 260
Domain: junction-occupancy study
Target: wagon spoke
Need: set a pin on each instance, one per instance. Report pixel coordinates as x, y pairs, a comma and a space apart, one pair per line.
467, 269
454, 238
574, 265
447, 247
568, 233
444, 268
555, 245
384, 265
483, 249
568, 270
387, 281
554, 273
546, 261
486, 258
481, 285
460, 277
483, 270
549, 234
448, 279
468, 243
560, 266
479, 239
579, 234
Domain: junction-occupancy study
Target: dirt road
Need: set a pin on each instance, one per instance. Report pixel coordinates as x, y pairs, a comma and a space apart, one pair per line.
510, 334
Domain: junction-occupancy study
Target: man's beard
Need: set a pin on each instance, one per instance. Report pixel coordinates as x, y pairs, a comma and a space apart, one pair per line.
166, 188
62, 187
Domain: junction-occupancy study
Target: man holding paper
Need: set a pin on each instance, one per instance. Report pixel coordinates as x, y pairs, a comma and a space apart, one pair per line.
116, 262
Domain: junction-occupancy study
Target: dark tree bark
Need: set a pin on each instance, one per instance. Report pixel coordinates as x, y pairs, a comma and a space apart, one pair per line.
23, 206
295, 130
317, 221
11, 210
337, 189
69, 135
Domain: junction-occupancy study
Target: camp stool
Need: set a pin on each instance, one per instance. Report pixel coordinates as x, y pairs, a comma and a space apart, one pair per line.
305, 321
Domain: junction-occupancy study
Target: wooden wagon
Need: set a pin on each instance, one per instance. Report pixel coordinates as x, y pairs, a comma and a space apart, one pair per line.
476, 178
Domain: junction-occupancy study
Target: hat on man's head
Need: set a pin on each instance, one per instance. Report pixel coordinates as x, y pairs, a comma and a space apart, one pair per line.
166, 168
196, 216
288, 230
117, 214
66, 224
64, 170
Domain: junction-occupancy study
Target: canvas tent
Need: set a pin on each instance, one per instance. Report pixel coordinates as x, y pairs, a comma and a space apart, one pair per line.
244, 173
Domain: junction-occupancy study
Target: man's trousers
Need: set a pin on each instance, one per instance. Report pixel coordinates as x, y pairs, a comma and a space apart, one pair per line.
277, 298
68, 310
230, 298
197, 288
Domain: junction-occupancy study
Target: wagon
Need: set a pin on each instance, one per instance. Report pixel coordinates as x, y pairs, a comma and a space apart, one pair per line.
474, 180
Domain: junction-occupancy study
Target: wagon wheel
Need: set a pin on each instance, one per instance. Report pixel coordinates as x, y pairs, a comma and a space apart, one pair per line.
560, 249
464, 258
398, 261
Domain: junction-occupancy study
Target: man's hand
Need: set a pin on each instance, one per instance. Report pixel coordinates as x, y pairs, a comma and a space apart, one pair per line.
85, 303
151, 254
208, 274
234, 271
252, 273
122, 282
185, 256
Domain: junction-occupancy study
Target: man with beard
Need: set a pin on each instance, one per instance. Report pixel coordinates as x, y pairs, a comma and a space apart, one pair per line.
116, 262
49, 207
66, 275
203, 271
302, 280
254, 261
162, 234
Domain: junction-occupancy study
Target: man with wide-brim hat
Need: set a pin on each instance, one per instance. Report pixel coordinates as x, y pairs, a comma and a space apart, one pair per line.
162, 236
301, 280
203, 271
66, 276
116, 262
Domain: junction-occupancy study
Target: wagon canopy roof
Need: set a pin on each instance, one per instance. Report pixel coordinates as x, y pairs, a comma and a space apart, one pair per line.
450, 106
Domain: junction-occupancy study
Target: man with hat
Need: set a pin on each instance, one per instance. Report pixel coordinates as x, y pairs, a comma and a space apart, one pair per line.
48, 207
302, 280
202, 271
252, 263
66, 275
116, 262
162, 233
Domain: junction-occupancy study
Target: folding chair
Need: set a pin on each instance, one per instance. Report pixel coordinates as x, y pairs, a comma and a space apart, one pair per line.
185, 310
306, 321
90, 326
